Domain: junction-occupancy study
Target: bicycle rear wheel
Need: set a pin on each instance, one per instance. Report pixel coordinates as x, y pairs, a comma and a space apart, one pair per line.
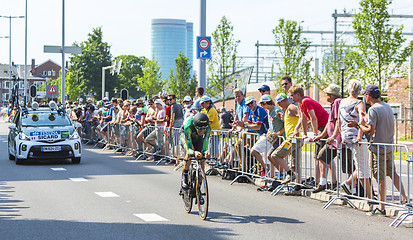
202, 195
187, 196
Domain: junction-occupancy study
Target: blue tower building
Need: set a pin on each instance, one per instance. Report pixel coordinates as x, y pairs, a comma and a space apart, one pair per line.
169, 37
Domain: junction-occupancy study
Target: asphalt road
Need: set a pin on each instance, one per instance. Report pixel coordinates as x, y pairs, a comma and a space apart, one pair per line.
109, 196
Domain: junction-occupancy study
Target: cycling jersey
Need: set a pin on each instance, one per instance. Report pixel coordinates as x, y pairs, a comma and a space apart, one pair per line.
193, 141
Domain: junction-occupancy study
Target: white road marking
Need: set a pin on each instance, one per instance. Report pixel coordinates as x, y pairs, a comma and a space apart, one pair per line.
58, 169
107, 194
151, 217
78, 179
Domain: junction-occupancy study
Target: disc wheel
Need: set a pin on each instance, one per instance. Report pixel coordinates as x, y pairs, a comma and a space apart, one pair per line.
187, 197
202, 192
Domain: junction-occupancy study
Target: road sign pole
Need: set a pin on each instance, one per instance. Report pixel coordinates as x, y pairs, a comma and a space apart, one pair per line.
62, 89
202, 62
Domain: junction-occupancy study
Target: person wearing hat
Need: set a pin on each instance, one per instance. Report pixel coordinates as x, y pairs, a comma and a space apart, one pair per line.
329, 152
276, 129
264, 90
155, 137
209, 109
379, 123
313, 111
288, 147
189, 109
258, 122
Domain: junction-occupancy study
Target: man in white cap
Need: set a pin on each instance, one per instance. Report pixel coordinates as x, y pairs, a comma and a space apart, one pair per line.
329, 152
189, 109
155, 137
258, 122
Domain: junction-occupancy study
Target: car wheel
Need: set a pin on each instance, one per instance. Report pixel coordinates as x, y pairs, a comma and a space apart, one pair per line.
11, 157
19, 161
76, 160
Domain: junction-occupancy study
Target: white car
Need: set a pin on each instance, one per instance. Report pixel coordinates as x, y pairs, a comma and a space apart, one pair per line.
39, 133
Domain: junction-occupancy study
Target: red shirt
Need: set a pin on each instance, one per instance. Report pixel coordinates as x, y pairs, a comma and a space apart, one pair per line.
168, 115
308, 104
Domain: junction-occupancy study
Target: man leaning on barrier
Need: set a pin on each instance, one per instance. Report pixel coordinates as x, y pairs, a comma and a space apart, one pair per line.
291, 126
276, 123
318, 116
329, 151
380, 125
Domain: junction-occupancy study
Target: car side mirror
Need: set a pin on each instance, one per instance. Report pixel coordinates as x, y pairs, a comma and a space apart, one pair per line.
12, 126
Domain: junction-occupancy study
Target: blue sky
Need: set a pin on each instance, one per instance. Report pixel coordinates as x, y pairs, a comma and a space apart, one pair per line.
126, 24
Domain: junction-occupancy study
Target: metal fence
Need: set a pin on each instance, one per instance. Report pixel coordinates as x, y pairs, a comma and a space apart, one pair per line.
243, 156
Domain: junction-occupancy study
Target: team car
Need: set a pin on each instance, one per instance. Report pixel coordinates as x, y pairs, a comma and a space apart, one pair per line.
42, 133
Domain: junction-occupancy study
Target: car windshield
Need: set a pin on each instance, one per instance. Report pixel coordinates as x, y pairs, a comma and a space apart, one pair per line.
36, 119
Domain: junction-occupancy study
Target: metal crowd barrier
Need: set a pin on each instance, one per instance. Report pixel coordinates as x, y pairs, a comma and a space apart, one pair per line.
234, 154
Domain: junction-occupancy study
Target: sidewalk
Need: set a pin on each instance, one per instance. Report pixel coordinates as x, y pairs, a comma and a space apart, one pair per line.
361, 205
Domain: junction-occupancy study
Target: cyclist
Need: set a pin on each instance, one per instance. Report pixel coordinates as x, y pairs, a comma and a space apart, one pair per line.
197, 132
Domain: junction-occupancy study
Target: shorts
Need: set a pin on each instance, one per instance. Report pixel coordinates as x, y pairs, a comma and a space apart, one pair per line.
147, 130
275, 145
263, 147
326, 154
380, 169
347, 165
360, 156
156, 134
294, 149
320, 144
176, 132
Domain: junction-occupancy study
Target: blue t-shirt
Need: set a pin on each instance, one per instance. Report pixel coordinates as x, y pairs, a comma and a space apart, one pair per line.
260, 117
110, 113
197, 104
241, 109
138, 117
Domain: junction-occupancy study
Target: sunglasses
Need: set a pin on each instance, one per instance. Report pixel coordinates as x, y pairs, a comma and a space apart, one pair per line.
285, 84
249, 103
202, 128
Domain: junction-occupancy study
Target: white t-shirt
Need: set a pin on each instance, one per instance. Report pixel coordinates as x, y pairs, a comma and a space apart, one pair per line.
161, 115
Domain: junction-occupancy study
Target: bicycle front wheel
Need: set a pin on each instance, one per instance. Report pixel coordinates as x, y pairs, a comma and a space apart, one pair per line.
187, 196
202, 195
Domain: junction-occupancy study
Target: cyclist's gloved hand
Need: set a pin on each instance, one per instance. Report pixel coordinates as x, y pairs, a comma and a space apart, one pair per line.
198, 155
207, 155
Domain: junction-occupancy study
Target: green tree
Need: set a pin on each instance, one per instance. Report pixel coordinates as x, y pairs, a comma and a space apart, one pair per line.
292, 48
331, 69
130, 71
180, 81
224, 52
151, 82
87, 67
380, 44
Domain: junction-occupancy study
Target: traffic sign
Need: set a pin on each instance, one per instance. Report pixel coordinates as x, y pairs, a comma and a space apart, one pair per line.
203, 47
52, 89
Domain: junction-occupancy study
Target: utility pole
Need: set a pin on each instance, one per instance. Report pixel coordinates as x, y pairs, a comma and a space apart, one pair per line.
9, 17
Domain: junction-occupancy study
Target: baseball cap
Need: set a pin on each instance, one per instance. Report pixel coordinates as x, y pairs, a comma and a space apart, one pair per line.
333, 89
159, 101
140, 111
108, 104
205, 99
187, 98
372, 90
105, 99
264, 88
281, 97
249, 99
265, 98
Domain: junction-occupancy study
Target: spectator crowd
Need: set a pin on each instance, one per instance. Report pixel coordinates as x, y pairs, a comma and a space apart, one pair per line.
281, 124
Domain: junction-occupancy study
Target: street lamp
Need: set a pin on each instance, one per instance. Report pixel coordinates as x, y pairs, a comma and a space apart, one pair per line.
342, 66
9, 17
